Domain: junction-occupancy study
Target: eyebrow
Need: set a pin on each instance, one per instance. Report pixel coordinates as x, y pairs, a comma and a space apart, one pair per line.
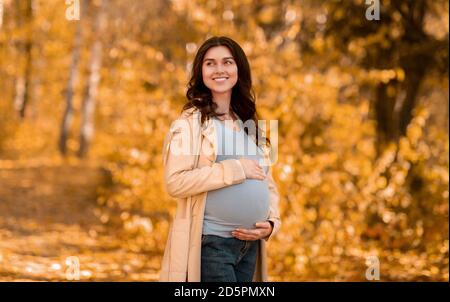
210, 59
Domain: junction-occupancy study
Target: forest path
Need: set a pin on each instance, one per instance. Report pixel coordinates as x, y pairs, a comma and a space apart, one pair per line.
50, 220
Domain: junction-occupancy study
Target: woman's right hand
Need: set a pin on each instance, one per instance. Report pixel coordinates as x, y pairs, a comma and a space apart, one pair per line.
252, 169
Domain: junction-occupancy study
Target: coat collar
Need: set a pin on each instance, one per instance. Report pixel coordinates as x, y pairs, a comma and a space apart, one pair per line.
208, 129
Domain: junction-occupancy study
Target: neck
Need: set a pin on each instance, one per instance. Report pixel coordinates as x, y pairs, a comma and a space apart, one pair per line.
223, 101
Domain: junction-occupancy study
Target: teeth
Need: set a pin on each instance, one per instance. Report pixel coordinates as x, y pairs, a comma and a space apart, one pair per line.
220, 79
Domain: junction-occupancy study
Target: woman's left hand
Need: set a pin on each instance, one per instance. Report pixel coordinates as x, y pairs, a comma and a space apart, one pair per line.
263, 229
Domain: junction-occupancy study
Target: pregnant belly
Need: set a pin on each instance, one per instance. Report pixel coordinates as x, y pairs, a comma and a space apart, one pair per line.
240, 205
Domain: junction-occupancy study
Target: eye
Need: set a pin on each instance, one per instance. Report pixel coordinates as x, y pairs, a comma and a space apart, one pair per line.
229, 62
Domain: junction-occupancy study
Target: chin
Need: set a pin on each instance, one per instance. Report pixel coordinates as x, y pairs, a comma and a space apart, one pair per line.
220, 90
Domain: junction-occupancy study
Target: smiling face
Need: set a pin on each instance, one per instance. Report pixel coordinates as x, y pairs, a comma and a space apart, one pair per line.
219, 70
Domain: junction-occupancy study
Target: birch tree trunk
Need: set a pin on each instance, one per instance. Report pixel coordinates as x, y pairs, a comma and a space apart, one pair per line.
1, 13
73, 76
23, 79
88, 105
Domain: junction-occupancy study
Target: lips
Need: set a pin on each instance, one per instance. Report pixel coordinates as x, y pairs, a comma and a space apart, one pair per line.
220, 79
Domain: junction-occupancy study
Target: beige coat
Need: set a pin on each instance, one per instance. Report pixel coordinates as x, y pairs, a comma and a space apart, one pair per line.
181, 260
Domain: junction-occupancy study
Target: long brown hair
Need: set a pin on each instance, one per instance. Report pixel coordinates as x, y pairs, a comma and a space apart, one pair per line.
242, 96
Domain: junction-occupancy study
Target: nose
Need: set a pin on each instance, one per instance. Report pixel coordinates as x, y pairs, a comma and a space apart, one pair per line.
219, 68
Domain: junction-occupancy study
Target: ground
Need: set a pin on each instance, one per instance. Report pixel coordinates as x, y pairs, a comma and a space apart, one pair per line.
50, 220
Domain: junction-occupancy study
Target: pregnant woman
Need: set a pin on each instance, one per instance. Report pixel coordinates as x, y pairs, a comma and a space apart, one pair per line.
217, 166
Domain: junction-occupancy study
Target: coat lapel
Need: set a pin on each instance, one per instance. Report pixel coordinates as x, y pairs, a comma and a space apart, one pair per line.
209, 135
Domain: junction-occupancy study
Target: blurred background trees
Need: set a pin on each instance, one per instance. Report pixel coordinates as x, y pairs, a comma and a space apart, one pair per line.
362, 109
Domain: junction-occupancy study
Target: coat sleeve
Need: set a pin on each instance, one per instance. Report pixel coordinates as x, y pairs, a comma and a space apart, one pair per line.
183, 180
274, 197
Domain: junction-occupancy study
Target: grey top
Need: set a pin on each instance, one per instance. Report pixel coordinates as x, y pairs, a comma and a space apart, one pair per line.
239, 205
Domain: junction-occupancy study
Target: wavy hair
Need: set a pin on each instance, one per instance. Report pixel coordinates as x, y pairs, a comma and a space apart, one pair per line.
243, 101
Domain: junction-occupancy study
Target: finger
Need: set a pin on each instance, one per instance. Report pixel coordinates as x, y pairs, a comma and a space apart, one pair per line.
248, 231
240, 236
246, 237
263, 225
236, 236
251, 234
244, 231
259, 174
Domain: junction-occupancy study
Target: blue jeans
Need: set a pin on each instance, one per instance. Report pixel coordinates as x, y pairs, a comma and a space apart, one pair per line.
227, 259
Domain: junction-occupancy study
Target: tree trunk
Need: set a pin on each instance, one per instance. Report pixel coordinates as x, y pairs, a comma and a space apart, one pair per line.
23, 80
413, 82
385, 116
73, 75
88, 106
415, 59
1, 13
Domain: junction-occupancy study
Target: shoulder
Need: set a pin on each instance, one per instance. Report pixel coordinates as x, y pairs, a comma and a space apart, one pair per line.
185, 120
189, 113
